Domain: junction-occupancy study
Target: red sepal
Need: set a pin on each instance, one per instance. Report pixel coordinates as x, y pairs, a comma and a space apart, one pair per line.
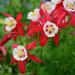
20, 29
72, 21
14, 46
56, 39
13, 61
21, 66
19, 16
34, 58
43, 39
31, 45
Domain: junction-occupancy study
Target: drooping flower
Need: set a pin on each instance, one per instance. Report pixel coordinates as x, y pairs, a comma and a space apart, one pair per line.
20, 55
34, 16
13, 25
10, 24
47, 7
66, 8
69, 5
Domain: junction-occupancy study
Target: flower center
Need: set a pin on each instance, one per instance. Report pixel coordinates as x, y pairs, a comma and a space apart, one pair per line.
21, 53
10, 23
70, 5
49, 28
33, 13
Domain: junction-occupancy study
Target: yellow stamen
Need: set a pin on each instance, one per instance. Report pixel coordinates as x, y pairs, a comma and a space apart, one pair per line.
70, 5
50, 28
20, 53
9, 23
33, 13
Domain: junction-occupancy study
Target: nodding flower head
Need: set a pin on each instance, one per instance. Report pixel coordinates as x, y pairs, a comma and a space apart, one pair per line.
69, 5
34, 16
10, 24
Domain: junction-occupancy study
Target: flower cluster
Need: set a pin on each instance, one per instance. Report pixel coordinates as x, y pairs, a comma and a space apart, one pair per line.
50, 18
47, 21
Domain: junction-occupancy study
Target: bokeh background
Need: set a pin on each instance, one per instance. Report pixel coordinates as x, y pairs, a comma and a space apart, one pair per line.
58, 60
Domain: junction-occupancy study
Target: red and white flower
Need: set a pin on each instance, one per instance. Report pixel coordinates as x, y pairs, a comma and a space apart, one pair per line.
20, 55
14, 25
69, 5
50, 29
47, 7
34, 16
10, 24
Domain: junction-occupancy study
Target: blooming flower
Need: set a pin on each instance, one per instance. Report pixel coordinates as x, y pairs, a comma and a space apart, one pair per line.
47, 7
46, 29
69, 5
34, 16
50, 29
10, 24
20, 55
13, 25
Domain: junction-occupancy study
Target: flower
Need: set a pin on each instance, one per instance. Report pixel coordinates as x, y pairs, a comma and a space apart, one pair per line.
50, 29
47, 7
34, 16
41, 28
10, 24
69, 5
13, 25
20, 55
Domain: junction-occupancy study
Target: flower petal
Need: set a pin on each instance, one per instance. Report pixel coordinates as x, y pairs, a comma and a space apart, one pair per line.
4, 51
20, 29
5, 39
14, 46
72, 21
19, 16
34, 29
6, 14
43, 39
34, 58
31, 45
13, 60
21, 66
56, 39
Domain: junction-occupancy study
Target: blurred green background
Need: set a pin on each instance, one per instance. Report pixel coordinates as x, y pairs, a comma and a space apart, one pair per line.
58, 60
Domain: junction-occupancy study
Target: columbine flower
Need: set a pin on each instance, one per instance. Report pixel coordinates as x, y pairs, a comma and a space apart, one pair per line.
14, 25
50, 29
47, 7
69, 5
34, 16
20, 55
44, 30
10, 24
